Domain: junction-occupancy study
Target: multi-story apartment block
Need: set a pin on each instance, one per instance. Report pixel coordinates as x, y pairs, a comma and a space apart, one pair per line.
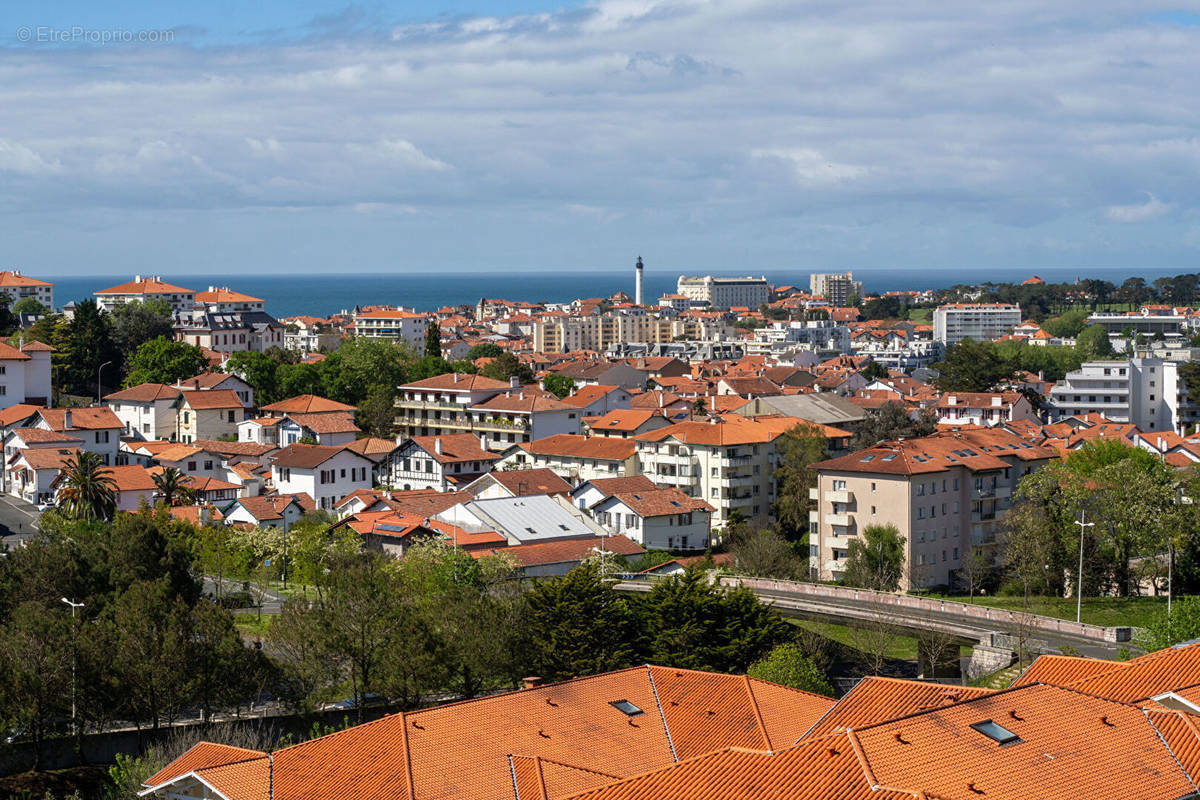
229, 331
944, 493
982, 322
824, 337
836, 287
603, 331
396, 324
1148, 393
724, 293
729, 464
502, 413
18, 287
181, 300
1148, 322
307, 334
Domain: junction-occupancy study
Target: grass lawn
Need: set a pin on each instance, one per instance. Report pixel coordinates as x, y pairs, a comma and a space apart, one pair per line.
921, 315
1105, 611
248, 623
901, 648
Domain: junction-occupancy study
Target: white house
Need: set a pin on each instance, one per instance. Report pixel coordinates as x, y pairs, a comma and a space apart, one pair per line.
216, 381
528, 519
24, 374
575, 458
661, 519
97, 427
147, 410
517, 483
31, 472
326, 474
445, 463
589, 493
141, 289
984, 408
18, 287
270, 511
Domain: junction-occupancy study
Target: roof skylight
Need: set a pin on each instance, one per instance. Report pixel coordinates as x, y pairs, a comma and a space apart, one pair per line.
625, 707
996, 732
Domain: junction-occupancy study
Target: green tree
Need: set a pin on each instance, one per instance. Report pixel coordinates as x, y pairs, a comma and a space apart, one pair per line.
135, 323
294, 380
259, 370
88, 491
433, 340
348, 373
173, 487
581, 626
505, 366
691, 623
29, 305
1068, 325
763, 553
875, 371
798, 449
1183, 625
893, 420
1093, 342
787, 665
971, 366
876, 559
164, 361
485, 350
88, 346
377, 413
558, 385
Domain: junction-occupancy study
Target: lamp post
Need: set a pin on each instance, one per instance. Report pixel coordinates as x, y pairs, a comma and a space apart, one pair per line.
100, 369
74, 659
1083, 526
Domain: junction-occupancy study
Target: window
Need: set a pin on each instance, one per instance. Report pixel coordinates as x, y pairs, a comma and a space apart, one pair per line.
872, 509
625, 707
231, 416
839, 485
208, 464
191, 466
996, 732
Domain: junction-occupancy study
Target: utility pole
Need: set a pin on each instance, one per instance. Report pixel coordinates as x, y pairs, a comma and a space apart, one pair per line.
1083, 526
74, 660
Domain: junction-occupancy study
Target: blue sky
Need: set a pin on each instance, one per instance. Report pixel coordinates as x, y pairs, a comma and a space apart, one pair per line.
310, 136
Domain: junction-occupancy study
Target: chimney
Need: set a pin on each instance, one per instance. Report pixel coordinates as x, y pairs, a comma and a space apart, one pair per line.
532, 682
483, 441
437, 445
67, 419
137, 278
456, 377
514, 381
996, 400
952, 400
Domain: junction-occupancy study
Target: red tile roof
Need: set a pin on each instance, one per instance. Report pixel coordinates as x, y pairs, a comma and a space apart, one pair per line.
602, 448
307, 404
145, 286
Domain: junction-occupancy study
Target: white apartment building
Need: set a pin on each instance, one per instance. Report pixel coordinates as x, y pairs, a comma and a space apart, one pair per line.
306, 334
1145, 392
944, 493
823, 337
836, 287
986, 409
444, 463
1148, 322
981, 322
724, 293
729, 464
223, 300
18, 287
182, 301
396, 324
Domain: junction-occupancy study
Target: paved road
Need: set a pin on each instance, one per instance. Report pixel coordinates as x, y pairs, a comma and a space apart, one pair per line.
18, 521
272, 602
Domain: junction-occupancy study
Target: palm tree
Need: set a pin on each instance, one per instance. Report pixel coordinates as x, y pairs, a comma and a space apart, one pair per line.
89, 492
174, 487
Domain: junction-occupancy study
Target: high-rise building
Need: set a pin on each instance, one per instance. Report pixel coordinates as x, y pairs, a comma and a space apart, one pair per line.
982, 322
1147, 392
638, 269
836, 287
725, 293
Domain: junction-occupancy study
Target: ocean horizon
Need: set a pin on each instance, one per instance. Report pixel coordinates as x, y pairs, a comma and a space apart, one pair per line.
324, 294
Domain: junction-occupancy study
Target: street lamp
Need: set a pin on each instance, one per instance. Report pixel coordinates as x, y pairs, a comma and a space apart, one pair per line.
74, 659
100, 369
1083, 525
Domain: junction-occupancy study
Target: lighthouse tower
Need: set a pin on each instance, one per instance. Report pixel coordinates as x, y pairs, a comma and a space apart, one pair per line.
637, 271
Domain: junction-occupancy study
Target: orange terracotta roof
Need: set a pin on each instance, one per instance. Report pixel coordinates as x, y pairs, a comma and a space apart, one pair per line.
18, 413
307, 404
876, 698
41, 435
660, 502
626, 419
531, 481
458, 382
10, 278
88, 418
1146, 676
143, 393
326, 423
223, 294
455, 447
565, 551
212, 399
204, 754
145, 286
1059, 670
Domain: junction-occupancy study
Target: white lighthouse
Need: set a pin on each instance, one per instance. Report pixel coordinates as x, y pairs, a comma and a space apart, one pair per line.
637, 271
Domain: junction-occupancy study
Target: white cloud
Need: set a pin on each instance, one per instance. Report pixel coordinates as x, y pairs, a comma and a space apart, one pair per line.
704, 127
1139, 212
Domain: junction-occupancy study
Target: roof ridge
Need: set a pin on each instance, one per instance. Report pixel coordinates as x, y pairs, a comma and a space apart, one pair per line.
762, 726
1167, 745
661, 714
558, 763
829, 710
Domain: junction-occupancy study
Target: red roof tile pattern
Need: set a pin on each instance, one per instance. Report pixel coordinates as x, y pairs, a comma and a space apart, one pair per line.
875, 698
204, 754
145, 286
1059, 670
307, 404
570, 445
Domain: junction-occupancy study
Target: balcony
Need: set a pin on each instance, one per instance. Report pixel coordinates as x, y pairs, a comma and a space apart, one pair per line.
734, 461
814, 493
814, 516
977, 516
839, 496
839, 520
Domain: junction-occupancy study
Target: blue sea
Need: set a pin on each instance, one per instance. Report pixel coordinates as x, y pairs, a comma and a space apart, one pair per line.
324, 294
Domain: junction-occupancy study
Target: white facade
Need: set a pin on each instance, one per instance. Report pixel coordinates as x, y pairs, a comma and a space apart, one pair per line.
684, 530
400, 326
835, 287
24, 375
1145, 392
981, 322
18, 287
327, 482
724, 293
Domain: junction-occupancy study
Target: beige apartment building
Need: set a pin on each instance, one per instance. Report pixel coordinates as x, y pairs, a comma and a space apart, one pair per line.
599, 331
945, 493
